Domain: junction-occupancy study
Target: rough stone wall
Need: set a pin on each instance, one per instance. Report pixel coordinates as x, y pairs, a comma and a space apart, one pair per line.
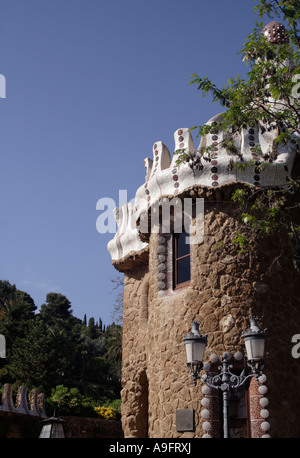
16, 425
91, 428
135, 349
225, 289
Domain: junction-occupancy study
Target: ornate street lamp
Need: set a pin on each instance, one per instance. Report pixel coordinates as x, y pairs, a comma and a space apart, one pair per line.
53, 428
194, 346
225, 380
255, 340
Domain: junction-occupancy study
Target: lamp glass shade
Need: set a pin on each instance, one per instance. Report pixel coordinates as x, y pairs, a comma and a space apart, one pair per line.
255, 340
53, 429
194, 351
46, 431
194, 345
255, 347
57, 431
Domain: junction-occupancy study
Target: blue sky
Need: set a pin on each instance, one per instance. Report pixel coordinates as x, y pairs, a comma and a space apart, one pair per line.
91, 85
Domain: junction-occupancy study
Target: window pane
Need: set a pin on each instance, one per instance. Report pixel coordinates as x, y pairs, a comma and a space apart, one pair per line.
183, 270
183, 248
237, 404
238, 413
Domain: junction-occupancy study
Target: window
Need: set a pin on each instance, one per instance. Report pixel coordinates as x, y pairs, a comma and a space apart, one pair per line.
181, 259
239, 426
239, 413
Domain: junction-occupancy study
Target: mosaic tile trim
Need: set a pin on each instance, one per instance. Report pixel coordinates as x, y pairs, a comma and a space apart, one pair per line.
165, 179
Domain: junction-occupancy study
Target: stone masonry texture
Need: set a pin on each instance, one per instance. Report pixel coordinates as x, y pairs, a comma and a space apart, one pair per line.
225, 289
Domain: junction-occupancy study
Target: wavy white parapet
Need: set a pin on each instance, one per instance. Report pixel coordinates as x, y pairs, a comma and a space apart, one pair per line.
165, 179
127, 240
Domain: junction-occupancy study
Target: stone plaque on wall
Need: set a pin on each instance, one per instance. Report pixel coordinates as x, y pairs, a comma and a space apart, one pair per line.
185, 420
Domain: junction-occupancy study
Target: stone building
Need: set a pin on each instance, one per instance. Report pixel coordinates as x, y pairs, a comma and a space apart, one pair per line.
169, 283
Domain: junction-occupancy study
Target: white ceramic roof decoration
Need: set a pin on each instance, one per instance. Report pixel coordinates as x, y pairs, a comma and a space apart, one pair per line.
126, 240
165, 179
254, 165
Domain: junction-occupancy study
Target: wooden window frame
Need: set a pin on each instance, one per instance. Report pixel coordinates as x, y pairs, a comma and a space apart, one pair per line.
246, 418
175, 260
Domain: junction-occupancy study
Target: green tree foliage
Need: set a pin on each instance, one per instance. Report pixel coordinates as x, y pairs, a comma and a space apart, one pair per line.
16, 308
269, 95
269, 98
69, 401
52, 347
32, 359
56, 310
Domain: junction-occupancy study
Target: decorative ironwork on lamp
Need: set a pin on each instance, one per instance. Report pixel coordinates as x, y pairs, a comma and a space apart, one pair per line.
225, 380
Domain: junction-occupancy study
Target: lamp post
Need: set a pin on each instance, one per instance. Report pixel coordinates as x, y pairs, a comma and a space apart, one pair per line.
225, 380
